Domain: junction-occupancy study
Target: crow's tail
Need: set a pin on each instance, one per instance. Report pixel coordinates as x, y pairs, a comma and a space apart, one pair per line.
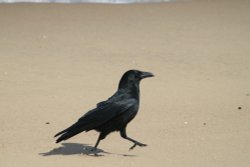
59, 133
69, 132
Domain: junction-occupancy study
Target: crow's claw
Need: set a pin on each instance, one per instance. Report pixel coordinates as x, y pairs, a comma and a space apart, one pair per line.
137, 144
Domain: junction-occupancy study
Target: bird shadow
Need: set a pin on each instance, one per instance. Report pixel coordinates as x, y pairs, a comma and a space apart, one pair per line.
76, 148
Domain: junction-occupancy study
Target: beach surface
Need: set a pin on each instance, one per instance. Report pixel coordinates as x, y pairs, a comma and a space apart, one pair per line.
58, 60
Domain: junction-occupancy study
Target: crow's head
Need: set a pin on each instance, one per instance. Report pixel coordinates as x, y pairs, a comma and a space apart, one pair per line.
133, 77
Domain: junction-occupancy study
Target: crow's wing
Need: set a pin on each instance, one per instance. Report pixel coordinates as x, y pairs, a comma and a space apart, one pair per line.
104, 112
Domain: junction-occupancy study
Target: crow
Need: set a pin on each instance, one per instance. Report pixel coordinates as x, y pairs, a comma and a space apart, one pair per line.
113, 114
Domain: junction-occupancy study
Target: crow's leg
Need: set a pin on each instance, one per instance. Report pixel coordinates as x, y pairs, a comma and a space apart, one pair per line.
97, 142
94, 150
101, 136
136, 143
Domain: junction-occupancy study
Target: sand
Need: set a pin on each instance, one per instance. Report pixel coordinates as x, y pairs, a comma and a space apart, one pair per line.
57, 61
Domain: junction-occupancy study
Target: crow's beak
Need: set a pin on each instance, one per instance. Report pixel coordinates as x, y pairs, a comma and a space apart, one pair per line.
146, 75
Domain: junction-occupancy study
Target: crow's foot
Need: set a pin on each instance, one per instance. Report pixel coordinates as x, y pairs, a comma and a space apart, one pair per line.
137, 144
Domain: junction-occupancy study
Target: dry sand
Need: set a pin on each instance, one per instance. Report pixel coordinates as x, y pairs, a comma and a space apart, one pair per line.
58, 61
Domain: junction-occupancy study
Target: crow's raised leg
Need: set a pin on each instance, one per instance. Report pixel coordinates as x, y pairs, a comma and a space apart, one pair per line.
136, 143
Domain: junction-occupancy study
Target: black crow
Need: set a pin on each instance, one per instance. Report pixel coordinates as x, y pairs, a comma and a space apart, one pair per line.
113, 114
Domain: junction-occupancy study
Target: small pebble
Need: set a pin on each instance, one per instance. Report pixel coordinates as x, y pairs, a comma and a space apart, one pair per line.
47, 123
239, 108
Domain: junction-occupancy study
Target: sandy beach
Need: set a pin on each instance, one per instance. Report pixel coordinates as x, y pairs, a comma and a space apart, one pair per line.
58, 60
